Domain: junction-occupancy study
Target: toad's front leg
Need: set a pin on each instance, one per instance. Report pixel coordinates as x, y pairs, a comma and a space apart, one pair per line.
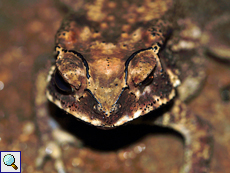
197, 135
51, 135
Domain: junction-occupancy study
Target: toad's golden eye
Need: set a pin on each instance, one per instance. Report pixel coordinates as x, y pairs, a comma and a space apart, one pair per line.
140, 68
61, 83
73, 68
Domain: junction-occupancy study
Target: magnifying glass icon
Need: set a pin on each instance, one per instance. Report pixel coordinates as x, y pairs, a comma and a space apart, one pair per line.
9, 160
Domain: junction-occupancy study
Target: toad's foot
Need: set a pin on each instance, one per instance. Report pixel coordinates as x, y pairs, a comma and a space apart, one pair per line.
51, 135
53, 150
197, 135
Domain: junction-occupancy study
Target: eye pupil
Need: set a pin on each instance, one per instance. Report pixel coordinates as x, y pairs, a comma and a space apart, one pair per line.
148, 80
61, 83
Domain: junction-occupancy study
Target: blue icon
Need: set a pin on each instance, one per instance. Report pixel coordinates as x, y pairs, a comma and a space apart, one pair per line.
9, 160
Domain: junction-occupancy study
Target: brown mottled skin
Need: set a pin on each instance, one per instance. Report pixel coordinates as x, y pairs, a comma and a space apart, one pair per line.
113, 66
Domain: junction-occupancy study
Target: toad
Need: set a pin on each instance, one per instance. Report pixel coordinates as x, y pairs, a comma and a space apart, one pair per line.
115, 62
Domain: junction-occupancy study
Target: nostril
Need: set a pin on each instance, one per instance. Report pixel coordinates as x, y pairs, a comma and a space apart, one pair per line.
97, 108
115, 108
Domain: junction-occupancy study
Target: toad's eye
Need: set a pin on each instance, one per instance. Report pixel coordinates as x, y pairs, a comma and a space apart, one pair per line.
73, 69
141, 67
148, 80
61, 83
